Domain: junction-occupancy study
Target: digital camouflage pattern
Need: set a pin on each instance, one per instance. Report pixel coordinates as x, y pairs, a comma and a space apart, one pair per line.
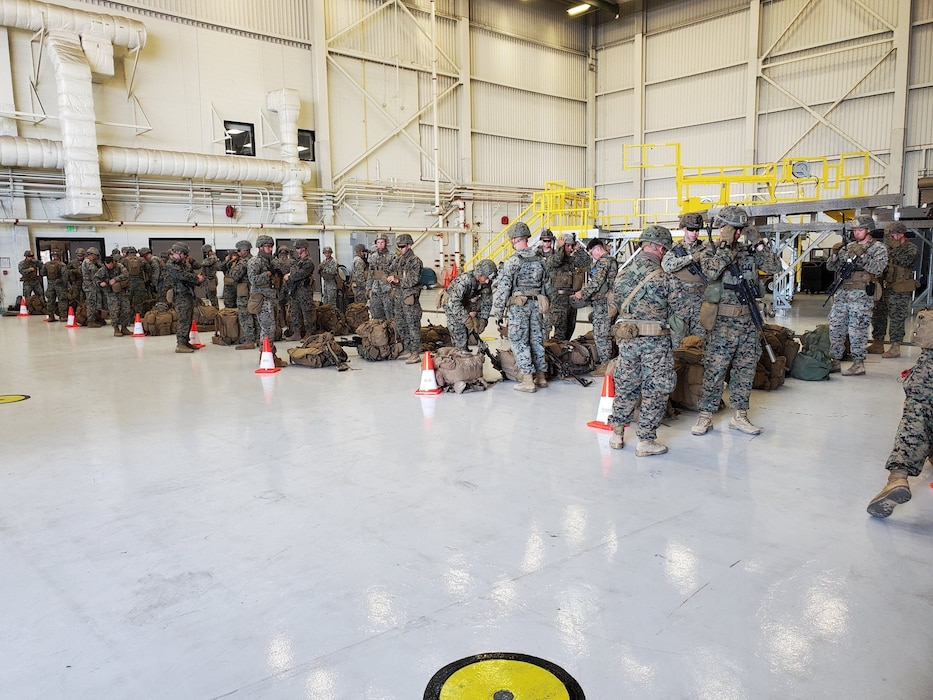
685, 311
56, 287
140, 272
181, 278
852, 308
239, 272
524, 275
562, 317
891, 311
734, 341
301, 299
406, 295
594, 291
210, 266
380, 291
913, 443
30, 270
359, 274
465, 294
91, 289
118, 303
329, 270
644, 371
259, 271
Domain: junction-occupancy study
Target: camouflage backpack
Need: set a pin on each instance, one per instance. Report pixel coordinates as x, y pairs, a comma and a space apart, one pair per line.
319, 350
434, 337
356, 315
923, 332
458, 370
328, 318
379, 340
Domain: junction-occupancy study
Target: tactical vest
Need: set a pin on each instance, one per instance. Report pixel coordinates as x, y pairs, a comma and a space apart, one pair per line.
134, 266
610, 277
53, 270
530, 276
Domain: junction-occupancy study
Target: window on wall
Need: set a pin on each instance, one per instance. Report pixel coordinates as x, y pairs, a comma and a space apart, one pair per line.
305, 144
238, 139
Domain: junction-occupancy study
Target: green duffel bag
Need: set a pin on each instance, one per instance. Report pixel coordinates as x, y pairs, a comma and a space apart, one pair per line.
811, 366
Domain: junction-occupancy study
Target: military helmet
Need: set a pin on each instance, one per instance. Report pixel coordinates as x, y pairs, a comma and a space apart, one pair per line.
284, 248
519, 230
692, 221
145, 250
264, 240
243, 245
131, 249
92, 251
116, 249
301, 243
28, 254
56, 251
733, 216
382, 237
403, 239
657, 234
895, 227
327, 249
206, 248
546, 235
486, 268
179, 247
79, 251
863, 221
359, 248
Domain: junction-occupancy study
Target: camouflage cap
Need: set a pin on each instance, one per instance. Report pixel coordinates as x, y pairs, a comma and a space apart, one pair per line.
179, 247
403, 239
546, 235
264, 240
692, 221
92, 251
243, 245
79, 251
28, 254
519, 230
108, 260
301, 244
486, 268
895, 227
863, 221
732, 216
657, 234
145, 250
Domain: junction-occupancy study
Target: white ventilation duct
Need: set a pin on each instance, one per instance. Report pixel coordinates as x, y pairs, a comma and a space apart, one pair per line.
18, 152
292, 209
39, 16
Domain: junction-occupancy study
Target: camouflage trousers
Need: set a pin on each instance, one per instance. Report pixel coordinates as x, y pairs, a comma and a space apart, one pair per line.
890, 315
92, 296
246, 320
408, 321
686, 318
35, 287
118, 306
380, 304
266, 320
210, 292
229, 296
644, 377
301, 309
602, 330
913, 444
850, 314
562, 318
456, 324
184, 306
55, 299
733, 341
137, 296
359, 292
328, 292
526, 334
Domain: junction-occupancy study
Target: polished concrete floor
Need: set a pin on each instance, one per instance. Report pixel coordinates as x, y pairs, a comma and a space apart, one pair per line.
175, 526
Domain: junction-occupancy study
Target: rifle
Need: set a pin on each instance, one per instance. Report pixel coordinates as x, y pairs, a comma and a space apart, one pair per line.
747, 296
844, 272
693, 267
483, 348
564, 369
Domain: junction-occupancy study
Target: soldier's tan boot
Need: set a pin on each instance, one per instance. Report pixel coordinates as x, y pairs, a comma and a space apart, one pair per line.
893, 351
834, 365
527, 384
413, 358
617, 440
876, 347
600, 371
540, 380
183, 348
857, 367
248, 345
117, 332
649, 448
278, 361
704, 423
740, 422
895, 492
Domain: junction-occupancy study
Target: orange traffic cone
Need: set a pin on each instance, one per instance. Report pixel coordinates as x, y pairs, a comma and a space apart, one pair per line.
266, 359
71, 318
194, 338
446, 278
454, 271
605, 405
429, 385
138, 331
23, 311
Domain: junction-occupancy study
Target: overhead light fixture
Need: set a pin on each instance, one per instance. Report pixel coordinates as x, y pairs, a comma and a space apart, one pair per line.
234, 131
579, 9
303, 148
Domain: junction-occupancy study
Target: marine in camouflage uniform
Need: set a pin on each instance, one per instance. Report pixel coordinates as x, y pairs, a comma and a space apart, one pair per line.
522, 279
210, 265
89, 269
329, 271
30, 274
685, 311
74, 291
378, 289
156, 268
182, 278
595, 293
359, 273
567, 265
852, 304
469, 301
239, 275
913, 444
644, 371
140, 272
281, 264
113, 280
733, 345
56, 288
405, 277
892, 310
299, 281
229, 292
261, 272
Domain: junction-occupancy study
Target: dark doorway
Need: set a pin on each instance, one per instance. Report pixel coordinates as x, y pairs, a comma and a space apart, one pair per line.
68, 246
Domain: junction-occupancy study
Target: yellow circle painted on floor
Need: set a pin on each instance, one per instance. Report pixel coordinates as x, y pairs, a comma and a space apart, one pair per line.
12, 398
503, 679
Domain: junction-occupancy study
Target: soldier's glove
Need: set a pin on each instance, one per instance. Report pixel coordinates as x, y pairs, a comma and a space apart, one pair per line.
480, 324
855, 249
837, 247
698, 255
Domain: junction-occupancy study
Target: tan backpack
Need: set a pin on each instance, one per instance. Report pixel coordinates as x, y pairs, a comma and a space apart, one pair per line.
923, 332
379, 340
458, 370
319, 350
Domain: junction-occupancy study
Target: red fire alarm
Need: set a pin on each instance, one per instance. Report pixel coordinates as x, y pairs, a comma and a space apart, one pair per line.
505, 221
230, 211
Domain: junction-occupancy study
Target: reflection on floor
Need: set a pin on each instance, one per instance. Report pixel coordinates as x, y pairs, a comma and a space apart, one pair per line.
175, 526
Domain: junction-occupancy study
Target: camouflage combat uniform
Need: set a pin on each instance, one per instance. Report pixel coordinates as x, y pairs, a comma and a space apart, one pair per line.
156, 276
140, 273
30, 270
329, 270
210, 265
406, 299
522, 278
913, 443
852, 305
182, 279
239, 274
229, 285
359, 274
380, 291
734, 339
301, 304
466, 294
644, 372
91, 289
74, 293
566, 274
594, 292
260, 269
117, 300
56, 288
892, 310
685, 309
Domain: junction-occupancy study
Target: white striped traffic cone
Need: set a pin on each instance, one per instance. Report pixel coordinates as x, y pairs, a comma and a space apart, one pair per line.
23, 311
605, 405
266, 359
428, 378
194, 338
71, 318
138, 331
